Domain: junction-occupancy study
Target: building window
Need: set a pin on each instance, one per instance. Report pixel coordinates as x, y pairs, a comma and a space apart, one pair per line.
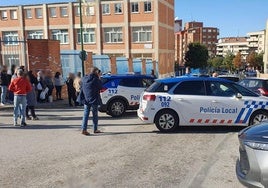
90, 11
209, 30
11, 38
52, 12
35, 35
118, 8
63, 12
135, 7
113, 35
3, 14
88, 36
28, 13
61, 35
142, 34
38, 13
13, 14
77, 11
105, 8
147, 6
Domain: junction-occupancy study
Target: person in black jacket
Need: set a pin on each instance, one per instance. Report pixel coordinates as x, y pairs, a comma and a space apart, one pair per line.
91, 86
71, 90
4, 82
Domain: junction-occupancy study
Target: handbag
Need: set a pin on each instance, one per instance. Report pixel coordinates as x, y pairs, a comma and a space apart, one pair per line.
81, 98
44, 93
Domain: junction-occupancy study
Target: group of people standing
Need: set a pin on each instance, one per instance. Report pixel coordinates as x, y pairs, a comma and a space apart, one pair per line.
27, 90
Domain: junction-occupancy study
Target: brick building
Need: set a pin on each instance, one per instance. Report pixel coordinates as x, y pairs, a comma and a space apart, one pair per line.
133, 28
195, 32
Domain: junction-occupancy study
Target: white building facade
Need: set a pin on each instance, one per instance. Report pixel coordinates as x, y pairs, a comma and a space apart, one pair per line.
233, 45
256, 41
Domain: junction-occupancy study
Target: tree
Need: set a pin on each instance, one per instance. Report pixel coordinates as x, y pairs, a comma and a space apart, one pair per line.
251, 59
255, 60
259, 60
196, 56
228, 61
215, 62
237, 61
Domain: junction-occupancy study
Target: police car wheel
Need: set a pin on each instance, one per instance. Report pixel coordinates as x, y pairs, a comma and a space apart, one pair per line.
116, 108
258, 117
166, 121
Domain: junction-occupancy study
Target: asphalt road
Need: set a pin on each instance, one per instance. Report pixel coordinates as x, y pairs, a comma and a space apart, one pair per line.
52, 152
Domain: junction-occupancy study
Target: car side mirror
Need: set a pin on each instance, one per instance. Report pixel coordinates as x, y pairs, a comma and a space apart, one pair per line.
238, 96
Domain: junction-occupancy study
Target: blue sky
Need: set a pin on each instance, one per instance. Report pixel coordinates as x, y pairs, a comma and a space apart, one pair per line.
232, 17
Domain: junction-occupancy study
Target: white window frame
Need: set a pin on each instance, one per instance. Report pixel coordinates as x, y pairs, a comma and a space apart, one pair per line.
105, 8
88, 34
28, 13
64, 11
62, 35
147, 5
38, 13
3, 14
11, 38
90, 10
118, 8
142, 32
113, 35
133, 7
13, 14
52, 12
35, 34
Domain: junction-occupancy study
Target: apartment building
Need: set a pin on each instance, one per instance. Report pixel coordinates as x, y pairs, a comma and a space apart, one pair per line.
233, 45
265, 56
256, 41
133, 28
195, 32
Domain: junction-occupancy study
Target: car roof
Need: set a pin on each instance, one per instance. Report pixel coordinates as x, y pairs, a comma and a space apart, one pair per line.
255, 78
119, 76
190, 78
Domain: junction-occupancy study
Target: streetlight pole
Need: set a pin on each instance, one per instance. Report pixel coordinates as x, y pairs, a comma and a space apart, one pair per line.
82, 53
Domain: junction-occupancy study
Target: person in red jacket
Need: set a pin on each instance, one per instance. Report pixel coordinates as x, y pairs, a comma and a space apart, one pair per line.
20, 86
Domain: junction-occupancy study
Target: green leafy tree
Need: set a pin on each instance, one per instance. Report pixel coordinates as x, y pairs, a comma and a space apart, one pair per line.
215, 62
196, 56
259, 60
237, 61
228, 61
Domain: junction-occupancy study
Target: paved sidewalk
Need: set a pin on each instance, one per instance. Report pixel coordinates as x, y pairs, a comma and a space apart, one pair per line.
55, 104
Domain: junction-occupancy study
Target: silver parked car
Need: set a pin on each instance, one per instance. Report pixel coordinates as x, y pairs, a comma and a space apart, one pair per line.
252, 165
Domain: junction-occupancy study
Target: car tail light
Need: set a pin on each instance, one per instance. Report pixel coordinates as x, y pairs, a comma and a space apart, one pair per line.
149, 97
263, 91
103, 89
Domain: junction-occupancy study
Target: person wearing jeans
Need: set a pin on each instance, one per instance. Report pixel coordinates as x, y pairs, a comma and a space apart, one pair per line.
20, 86
91, 86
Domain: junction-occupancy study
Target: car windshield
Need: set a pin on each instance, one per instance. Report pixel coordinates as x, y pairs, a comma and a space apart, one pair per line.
244, 91
253, 83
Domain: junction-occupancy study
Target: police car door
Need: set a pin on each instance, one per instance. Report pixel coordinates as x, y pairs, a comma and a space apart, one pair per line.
190, 101
131, 89
224, 106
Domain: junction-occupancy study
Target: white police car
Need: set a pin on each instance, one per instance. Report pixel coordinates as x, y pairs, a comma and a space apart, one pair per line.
183, 101
122, 92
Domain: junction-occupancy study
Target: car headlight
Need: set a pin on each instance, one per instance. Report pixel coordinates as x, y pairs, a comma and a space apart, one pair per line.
256, 145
